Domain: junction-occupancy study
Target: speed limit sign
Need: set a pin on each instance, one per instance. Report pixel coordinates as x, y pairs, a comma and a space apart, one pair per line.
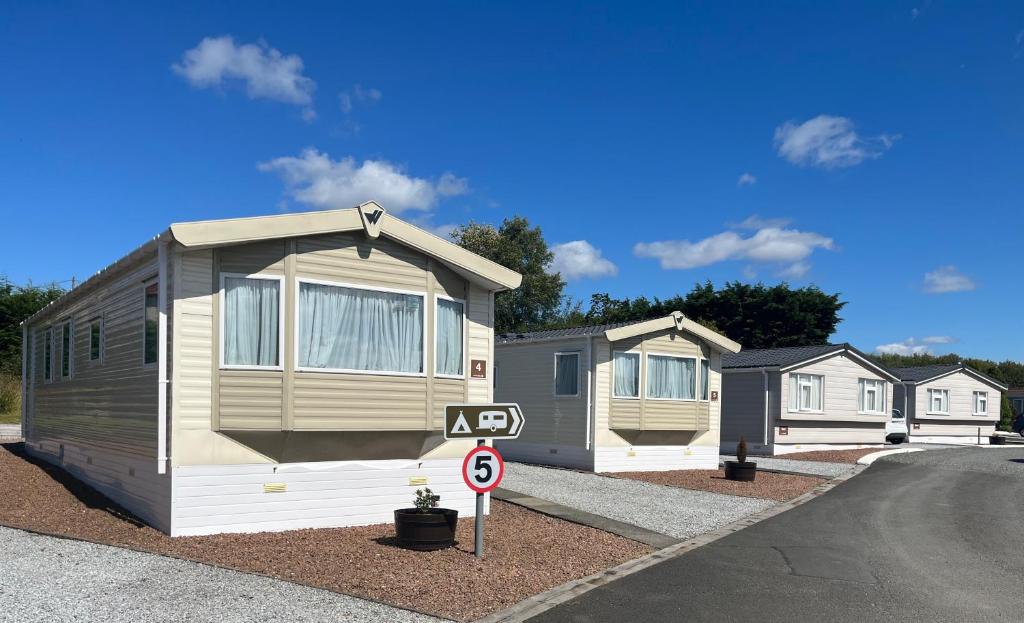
483, 469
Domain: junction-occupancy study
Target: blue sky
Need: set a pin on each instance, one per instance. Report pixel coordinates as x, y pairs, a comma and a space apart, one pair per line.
877, 148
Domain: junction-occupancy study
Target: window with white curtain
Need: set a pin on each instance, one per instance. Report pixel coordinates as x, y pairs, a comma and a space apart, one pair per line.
626, 368
671, 378
980, 403
871, 396
346, 329
448, 353
567, 374
252, 322
938, 401
705, 378
806, 392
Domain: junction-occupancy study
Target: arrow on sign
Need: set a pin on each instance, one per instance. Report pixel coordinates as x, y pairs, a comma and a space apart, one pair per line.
517, 421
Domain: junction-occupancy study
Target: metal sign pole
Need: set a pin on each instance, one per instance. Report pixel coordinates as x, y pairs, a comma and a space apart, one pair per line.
479, 524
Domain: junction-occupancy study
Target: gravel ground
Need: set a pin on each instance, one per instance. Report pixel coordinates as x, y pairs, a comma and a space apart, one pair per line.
814, 468
56, 580
769, 486
526, 552
680, 513
832, 456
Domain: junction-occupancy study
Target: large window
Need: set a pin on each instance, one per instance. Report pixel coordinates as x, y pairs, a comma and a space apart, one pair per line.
938, 401
48, 355
980, 403
252, 327
671, 378
567, 374
871, 396
705, 379
152, 325
66, 350
448, 354
96, 339
806, 392
346, 329
626, 367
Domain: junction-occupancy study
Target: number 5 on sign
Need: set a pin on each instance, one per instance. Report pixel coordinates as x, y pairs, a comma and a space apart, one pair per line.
483, 469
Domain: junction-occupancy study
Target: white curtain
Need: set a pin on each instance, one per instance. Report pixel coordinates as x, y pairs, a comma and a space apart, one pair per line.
794, 393
351, 329
567, 374
805, 392
816, 393
671, 377
449, 337
251, 321
627, 375
705, 381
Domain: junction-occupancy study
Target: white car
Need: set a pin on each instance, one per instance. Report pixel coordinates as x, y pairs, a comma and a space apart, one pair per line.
896, 430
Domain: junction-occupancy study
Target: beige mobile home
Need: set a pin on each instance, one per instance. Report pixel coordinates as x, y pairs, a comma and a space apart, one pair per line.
804, 398
266, 373
949, 403
628, 397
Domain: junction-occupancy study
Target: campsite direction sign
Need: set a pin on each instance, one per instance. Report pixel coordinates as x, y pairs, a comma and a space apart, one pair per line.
492, 421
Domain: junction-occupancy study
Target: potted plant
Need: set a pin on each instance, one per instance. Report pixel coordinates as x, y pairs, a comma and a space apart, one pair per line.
426, 527
997, 439
741, 469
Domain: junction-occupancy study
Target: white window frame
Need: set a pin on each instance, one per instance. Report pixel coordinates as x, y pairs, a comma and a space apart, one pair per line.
358, 286
639, 374
554, 373
799, 408
984, 396
862, 389
465, 341
696, 374
701, 380
48, 343
931, 401
102, 350
280, 319
68, 324
145, 285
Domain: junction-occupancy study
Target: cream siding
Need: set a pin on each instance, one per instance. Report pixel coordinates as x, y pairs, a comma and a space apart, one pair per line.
841, 374
961, 388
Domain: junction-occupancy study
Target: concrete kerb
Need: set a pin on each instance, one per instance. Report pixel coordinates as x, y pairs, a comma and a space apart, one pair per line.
868, 459
532, 606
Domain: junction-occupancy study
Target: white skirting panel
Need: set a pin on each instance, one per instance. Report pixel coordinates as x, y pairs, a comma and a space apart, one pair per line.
729, 447
957, 440
210, 499
814, 447
575, 457
654, 458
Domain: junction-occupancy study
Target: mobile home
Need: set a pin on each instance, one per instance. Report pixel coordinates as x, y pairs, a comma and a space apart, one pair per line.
949, 403
804, 398
624, 397
266, 373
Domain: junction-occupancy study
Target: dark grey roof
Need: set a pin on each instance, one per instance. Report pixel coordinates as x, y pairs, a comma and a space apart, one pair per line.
511, 338
918, 374
772, 357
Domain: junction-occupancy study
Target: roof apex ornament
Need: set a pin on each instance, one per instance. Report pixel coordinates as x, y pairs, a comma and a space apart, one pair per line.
371, 213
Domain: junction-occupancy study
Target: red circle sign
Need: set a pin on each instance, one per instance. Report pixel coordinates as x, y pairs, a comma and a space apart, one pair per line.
483, 469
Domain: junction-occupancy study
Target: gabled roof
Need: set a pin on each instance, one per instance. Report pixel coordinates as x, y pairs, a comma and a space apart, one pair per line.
924, 374
625, 330
789, 357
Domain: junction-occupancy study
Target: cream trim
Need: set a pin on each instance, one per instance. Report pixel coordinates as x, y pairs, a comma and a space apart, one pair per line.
675, 320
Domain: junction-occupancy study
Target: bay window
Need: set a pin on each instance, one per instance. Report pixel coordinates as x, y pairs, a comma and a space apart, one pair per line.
871, 396
626, 367
448, 355
806, 392
671, 378
938, 401
252, 329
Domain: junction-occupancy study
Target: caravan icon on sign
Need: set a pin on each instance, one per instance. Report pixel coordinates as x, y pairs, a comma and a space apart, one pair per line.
494, 421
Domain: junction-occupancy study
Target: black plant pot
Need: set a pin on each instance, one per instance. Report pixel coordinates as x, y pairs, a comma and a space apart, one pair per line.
744, 472
426, 531
997, 440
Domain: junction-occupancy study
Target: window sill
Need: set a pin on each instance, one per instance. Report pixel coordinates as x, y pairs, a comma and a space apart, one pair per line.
457, 377
625, 397
670, 399
420, 375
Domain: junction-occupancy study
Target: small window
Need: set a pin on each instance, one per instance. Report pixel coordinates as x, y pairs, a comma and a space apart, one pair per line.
448, 352
938, 401
48, 355
567, 374
980, 403
66, 350
151, 327
871, 396
806, 392
96, 339
705, 378
627, 375
252, 322
671, 378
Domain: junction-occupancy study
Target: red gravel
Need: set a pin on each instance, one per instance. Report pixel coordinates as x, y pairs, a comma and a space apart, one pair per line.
526, 552
830, 456
766, 485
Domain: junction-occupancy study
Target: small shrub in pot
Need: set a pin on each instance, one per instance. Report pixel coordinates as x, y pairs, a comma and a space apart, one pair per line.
741, 469
426, 527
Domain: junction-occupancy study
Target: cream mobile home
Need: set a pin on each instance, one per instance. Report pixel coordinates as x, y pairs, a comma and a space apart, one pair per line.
266, 373
805, 398
949, 403
626, 397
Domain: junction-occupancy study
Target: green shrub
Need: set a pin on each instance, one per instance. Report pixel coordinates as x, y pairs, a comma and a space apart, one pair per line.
426, 500
10, 398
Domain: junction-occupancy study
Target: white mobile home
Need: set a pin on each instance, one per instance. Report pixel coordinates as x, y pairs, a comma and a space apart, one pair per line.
266, 373
626, 397
949, 403
804, 398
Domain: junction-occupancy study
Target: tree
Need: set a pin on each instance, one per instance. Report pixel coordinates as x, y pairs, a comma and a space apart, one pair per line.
16, 304
522, 248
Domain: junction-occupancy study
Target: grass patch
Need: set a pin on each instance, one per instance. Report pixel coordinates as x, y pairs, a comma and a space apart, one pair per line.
10, 399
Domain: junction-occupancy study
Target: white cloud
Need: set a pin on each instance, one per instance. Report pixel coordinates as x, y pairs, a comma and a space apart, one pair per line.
313, 178
265, 71
796, 270
946, 279
913, 346
358, 94
828, 142
755, 221
580, 260
746, 180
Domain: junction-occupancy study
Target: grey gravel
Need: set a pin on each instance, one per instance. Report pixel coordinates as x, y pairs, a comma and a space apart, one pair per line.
54, 580
811, 468
680, 513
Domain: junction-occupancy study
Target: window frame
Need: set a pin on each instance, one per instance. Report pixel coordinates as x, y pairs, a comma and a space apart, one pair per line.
639, 374
281, 311
704, 380
323, 282
647, 368
67, 327
101, 356
465, 342
799, 409
862, 388
554, 373
48, 346
145, 286
974, 406
931, 411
